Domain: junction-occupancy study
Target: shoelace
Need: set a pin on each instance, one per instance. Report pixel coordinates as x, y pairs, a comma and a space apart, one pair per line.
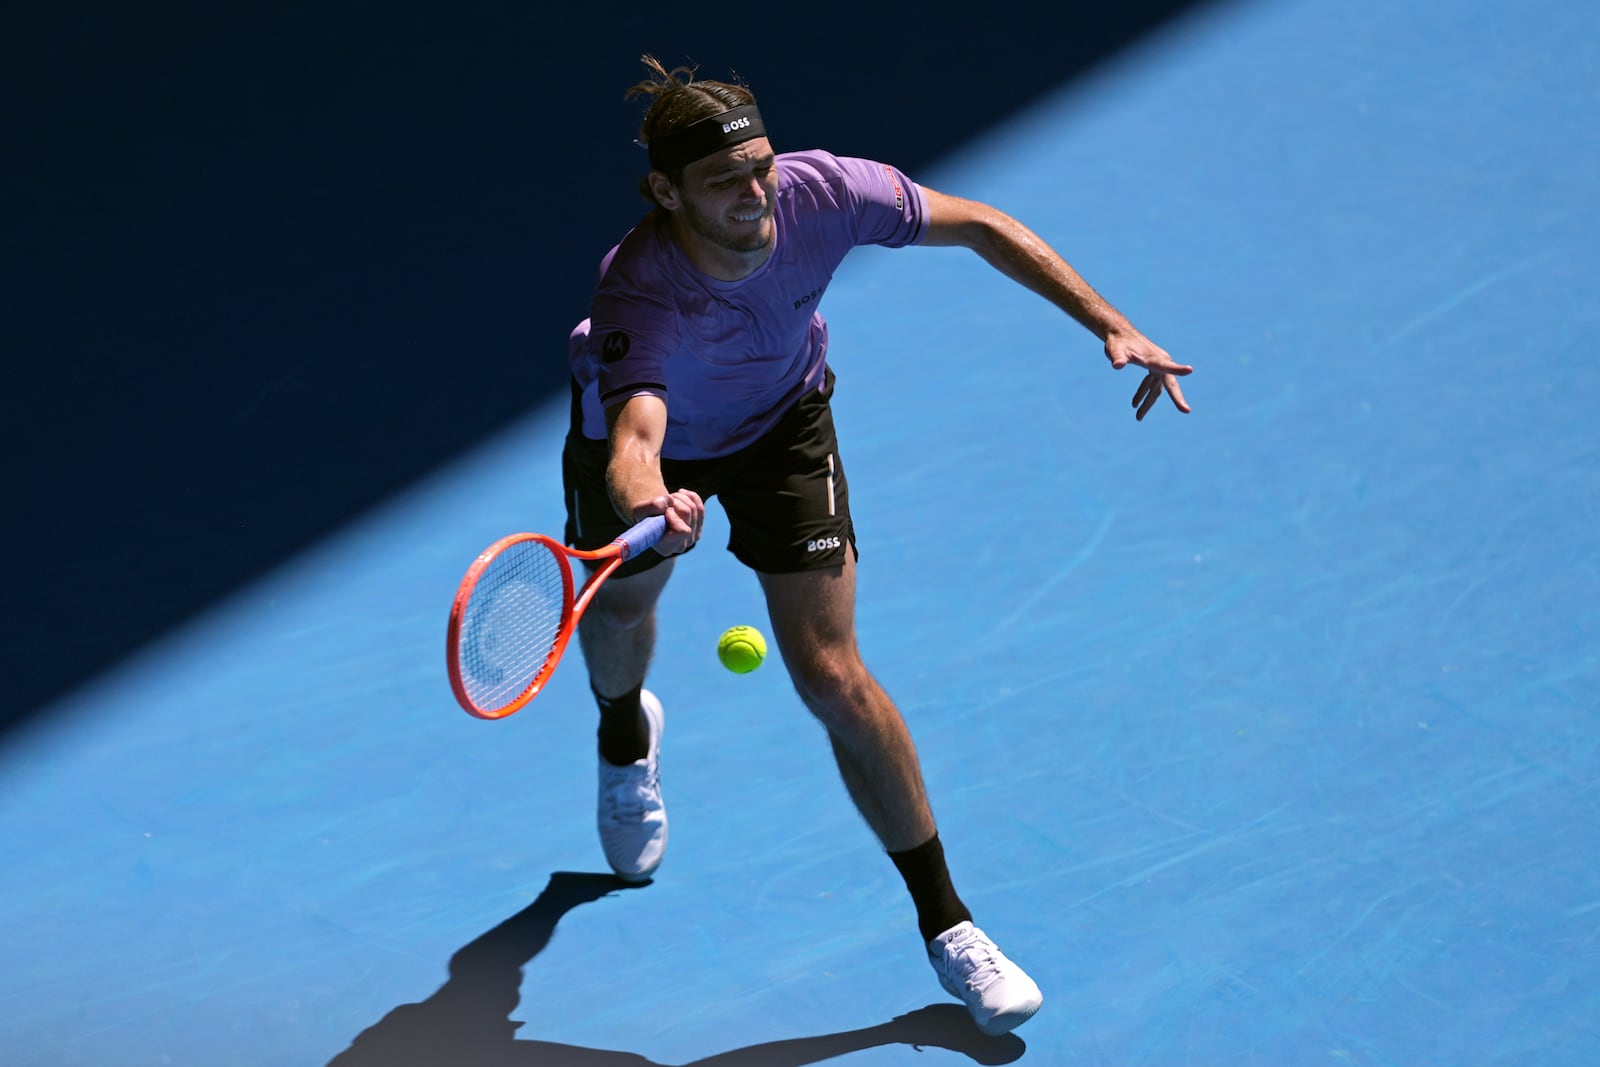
974, 954
627, 790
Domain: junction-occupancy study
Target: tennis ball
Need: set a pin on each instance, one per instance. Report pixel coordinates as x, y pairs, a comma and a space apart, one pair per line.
741, 649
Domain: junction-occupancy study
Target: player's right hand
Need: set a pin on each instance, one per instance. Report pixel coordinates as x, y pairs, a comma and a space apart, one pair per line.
685, 513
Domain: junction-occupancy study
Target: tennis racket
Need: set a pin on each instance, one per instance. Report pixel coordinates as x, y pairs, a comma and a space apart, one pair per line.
516, 610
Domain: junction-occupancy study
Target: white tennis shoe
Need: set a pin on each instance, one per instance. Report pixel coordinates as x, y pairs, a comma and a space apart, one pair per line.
998, 993
632, 818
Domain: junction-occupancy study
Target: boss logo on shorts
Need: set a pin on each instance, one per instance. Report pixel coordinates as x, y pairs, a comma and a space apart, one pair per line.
736, 124
614, 347
822, 544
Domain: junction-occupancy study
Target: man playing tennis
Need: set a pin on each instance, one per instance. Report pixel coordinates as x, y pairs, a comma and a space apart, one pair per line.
701, 372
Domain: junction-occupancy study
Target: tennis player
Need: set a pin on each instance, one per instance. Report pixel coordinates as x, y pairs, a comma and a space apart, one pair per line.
702, 372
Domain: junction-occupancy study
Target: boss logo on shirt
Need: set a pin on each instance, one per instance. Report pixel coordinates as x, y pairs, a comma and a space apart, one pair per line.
614, 347
804, 300
736, 124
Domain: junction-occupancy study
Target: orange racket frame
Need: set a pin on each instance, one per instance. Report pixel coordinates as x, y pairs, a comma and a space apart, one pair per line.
636, 540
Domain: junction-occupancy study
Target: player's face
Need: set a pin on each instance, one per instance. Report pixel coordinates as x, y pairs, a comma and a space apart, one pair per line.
728, 198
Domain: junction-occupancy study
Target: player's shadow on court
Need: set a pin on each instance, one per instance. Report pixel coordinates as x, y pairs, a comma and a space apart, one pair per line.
467, 1021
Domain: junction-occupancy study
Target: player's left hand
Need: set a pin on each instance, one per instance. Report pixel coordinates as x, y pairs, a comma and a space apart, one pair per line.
1162, 375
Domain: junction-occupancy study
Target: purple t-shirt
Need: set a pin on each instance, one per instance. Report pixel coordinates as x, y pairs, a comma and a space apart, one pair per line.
729, 358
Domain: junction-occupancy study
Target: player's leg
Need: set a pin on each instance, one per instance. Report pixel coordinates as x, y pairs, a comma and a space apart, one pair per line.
788, 506
813, 624
789, 513
617, 636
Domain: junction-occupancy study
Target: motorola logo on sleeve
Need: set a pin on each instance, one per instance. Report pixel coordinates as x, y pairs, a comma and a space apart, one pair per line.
614, 347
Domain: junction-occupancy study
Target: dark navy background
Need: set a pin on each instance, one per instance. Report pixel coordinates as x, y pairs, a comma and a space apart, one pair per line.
267, 264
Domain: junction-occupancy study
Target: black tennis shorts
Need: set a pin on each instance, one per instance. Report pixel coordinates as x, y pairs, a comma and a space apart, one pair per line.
785, 496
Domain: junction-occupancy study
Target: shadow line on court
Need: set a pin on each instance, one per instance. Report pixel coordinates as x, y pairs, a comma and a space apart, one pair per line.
467, 1020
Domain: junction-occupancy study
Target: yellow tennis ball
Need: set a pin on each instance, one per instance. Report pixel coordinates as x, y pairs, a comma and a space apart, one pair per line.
741, 649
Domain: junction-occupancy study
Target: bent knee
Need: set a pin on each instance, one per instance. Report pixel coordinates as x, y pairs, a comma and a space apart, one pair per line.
619, 615
833, 686
624, 604
618, 611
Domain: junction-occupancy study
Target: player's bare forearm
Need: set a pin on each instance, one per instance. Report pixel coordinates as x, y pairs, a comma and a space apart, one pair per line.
1023, 256
633, 476
634, 481
633, 486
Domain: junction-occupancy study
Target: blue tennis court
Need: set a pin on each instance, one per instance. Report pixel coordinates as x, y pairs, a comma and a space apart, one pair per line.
1266, 735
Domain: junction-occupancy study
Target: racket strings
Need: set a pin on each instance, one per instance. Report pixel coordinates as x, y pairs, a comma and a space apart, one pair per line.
511, 623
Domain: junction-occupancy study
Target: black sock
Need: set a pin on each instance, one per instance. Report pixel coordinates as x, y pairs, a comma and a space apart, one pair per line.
928, 879
624, 734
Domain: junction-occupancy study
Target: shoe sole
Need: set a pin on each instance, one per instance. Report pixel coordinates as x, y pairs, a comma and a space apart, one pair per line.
1001, 1025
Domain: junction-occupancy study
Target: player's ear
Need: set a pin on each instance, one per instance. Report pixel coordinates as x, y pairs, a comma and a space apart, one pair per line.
663, 190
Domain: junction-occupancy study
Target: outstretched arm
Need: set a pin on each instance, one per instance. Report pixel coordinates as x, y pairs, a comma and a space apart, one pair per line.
1024, 257
638, 427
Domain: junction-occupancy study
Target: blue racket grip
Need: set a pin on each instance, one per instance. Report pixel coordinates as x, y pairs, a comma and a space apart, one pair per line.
643, 534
